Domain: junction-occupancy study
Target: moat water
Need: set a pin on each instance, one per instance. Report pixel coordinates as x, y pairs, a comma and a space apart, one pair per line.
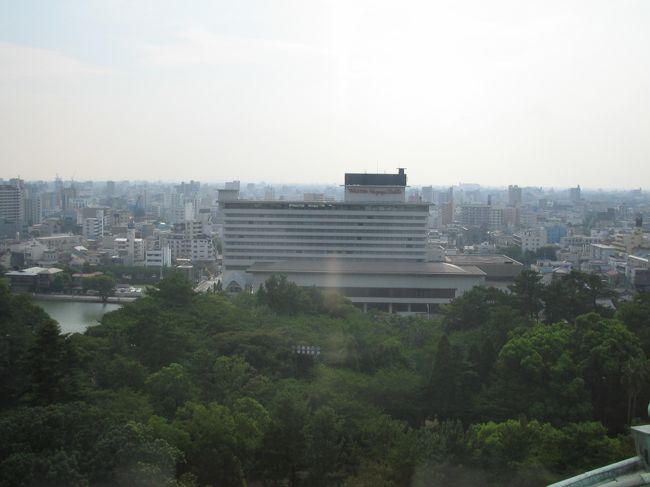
75, 317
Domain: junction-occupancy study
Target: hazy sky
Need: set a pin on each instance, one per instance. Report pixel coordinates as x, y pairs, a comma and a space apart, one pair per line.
552, 93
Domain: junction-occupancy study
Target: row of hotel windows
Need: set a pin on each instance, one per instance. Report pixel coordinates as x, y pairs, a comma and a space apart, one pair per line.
327, 231
273, 252
229, 244
323, 224
300, 238
356, 258
251, 205
343, 216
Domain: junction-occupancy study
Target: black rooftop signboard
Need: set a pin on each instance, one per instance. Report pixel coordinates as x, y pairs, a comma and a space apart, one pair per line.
362, 179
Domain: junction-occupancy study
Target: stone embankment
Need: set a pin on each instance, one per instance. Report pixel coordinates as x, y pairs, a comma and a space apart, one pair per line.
83, 299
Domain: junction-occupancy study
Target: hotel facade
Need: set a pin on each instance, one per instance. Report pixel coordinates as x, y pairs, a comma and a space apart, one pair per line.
373, 232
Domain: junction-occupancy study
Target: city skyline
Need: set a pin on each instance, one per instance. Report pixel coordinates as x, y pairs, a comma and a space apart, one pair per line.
413, 185
545, 94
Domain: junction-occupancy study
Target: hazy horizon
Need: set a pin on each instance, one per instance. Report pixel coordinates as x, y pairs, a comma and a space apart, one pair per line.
551, 94
320, 184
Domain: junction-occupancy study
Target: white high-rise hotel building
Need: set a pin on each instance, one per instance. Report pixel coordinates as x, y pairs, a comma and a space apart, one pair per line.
371, 247
373, 223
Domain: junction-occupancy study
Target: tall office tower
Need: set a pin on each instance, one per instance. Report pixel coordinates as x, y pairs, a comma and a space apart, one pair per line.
574, 194
12, 208
110, 188
68, 196
514, 195
427, 194
33, 209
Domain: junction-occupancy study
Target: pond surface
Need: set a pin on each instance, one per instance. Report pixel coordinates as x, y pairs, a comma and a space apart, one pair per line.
75, 317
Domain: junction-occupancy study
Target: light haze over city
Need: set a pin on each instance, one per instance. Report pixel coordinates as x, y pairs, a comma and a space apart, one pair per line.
549, 93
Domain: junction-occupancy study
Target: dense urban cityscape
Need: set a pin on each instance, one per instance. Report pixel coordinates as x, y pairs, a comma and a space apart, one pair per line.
331, 243
154, 276
216, 232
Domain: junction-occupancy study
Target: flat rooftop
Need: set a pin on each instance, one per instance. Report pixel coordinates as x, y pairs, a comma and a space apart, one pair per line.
496, 267
365, 268
34, 271
471, 259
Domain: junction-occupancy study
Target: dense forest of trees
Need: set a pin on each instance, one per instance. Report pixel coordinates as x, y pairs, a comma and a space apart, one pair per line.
180, 389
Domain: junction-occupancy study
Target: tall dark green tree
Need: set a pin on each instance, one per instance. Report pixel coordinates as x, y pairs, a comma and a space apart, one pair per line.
51, 363
62, 282
538, 374
613, 366
471, 309
636, 316
169, 389
572, 295
284, 296
19, 322
175, 290
451, 377
528, 291
104, 285
284, 450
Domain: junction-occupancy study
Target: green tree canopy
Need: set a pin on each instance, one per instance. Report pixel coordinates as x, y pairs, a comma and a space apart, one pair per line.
104, 285
528, 291
572, 295
174, 290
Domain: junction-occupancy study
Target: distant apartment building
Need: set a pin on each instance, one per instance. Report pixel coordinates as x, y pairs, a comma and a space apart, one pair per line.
637, 271
511, 216
159, 257
474, 214
627, 242
530, 240
189, 240
33, 210
129, 249
514, 195
495, 218
574, 194
118, 218
12, 208
555, 233
602, 252
313, 197
480, 215
61, 242
427, 194
528, 219
92, 223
